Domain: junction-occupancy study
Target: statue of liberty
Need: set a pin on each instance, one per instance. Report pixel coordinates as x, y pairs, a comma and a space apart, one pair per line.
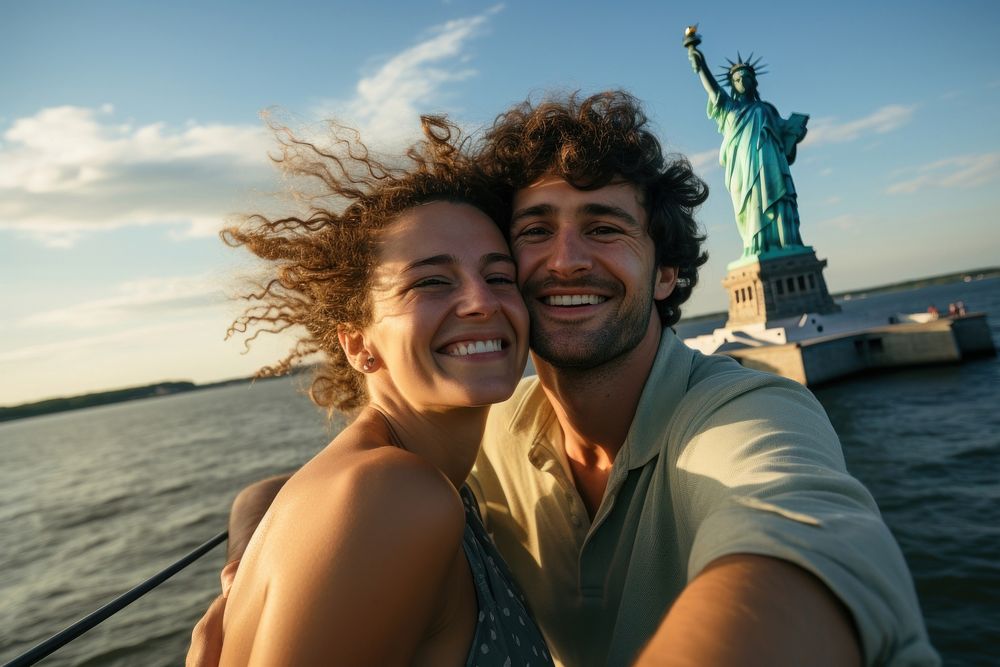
757, 147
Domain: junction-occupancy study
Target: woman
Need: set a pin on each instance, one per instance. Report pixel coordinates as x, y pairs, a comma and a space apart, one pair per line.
373, 554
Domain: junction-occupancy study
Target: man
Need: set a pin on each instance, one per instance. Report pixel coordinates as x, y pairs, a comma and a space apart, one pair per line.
655, 504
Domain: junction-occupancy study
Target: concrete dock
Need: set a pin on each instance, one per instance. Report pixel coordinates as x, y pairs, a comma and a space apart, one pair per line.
814, 349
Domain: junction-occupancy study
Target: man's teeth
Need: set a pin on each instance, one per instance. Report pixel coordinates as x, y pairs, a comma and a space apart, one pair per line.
574, 299
475, 347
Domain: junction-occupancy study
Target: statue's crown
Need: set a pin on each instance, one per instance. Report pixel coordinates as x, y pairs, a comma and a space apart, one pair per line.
749, 64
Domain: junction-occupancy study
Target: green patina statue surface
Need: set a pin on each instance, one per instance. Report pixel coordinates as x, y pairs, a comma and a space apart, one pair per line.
758, 145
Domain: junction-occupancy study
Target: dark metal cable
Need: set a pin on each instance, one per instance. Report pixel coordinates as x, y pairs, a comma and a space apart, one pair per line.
60, 639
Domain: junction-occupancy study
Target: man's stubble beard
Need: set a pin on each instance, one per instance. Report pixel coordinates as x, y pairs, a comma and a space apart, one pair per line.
578, 350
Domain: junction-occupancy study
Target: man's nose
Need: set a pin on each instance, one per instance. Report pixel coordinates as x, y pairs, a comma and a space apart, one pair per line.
569, 255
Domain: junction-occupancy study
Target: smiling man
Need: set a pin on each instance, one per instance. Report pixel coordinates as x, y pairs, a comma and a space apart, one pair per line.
648, 499
656, 505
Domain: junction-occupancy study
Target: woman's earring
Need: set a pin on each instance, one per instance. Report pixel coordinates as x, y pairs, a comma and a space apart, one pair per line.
369, 364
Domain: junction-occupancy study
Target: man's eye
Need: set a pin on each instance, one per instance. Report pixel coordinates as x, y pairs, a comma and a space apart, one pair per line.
533, 231
604, 229
500, 279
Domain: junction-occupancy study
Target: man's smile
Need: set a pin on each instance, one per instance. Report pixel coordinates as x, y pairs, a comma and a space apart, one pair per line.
574, 299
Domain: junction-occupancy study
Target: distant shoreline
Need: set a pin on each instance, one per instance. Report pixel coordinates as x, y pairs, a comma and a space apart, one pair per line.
63, 404
54, 405
918, 283
93, 400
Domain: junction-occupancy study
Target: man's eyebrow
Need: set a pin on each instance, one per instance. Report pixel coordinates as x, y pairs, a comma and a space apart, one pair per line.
594, 208
609, 210
531, 211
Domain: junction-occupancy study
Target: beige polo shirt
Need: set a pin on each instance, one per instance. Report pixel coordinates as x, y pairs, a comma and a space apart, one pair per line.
718, 460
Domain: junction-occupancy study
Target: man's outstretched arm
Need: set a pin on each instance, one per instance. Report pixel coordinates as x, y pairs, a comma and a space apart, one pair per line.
248, 509
754, 610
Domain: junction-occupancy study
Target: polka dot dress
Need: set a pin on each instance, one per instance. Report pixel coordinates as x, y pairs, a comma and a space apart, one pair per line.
506, 635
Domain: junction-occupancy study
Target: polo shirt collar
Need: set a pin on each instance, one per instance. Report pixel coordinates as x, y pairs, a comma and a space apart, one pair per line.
533, 410
665, 387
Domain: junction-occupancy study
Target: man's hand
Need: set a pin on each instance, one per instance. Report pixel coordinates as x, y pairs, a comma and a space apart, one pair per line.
206, 638
248, 508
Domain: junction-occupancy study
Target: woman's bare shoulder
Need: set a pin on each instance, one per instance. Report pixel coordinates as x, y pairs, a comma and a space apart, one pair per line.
376, 526
374, 482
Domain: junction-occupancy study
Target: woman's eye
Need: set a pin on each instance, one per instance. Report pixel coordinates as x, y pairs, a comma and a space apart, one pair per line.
430, 282
500, 279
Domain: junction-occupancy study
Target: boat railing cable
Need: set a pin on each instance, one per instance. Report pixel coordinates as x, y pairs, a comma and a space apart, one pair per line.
60, 639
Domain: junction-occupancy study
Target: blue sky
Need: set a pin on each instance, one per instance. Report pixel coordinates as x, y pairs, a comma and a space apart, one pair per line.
130, 131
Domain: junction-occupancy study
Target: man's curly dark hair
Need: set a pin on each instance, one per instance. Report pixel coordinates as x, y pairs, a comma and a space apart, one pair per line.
590, 143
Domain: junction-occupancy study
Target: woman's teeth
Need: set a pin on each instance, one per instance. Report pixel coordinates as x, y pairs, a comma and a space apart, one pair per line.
474, 347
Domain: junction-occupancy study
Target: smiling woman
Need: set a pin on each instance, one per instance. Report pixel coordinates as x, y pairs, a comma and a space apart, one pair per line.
374, 552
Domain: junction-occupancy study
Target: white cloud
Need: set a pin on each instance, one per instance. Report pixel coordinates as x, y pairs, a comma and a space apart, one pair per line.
67, 171
705, 160
962, 171
882, 120
69, 148
135, 300
72, 347
386, 105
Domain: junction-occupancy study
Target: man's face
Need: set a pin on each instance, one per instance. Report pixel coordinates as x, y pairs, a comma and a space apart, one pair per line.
587, 270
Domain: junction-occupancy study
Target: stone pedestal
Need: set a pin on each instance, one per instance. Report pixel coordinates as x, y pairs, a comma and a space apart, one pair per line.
777, 287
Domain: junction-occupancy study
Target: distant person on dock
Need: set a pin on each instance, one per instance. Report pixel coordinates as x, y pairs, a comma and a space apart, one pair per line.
402, 284
657, 506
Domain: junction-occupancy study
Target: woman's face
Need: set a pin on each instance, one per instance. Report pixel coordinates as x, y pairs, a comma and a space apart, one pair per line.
449, 326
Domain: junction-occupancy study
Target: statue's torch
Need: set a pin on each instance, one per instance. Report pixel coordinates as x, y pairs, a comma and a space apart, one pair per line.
691, 36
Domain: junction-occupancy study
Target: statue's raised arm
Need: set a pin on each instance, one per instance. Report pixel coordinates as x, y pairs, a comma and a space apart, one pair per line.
758, 145
691, 40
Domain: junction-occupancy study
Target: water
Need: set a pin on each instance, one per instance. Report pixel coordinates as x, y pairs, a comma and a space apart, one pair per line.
94, 501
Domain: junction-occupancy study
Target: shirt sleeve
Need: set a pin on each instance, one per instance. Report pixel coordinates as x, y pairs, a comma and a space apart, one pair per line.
763, 473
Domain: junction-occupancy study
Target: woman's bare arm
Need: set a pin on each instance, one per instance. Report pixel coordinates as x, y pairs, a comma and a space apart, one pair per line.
349, 571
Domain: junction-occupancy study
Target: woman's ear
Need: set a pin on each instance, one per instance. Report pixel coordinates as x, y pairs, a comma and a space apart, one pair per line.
352, 342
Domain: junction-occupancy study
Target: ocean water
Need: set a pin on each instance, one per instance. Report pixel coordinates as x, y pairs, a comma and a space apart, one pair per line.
94, 501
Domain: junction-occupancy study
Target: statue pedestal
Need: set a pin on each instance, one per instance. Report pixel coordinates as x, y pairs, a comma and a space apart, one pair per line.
777, 287
782, 320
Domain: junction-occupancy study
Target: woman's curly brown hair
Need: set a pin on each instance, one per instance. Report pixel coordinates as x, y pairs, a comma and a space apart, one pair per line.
595, 141
320, 265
